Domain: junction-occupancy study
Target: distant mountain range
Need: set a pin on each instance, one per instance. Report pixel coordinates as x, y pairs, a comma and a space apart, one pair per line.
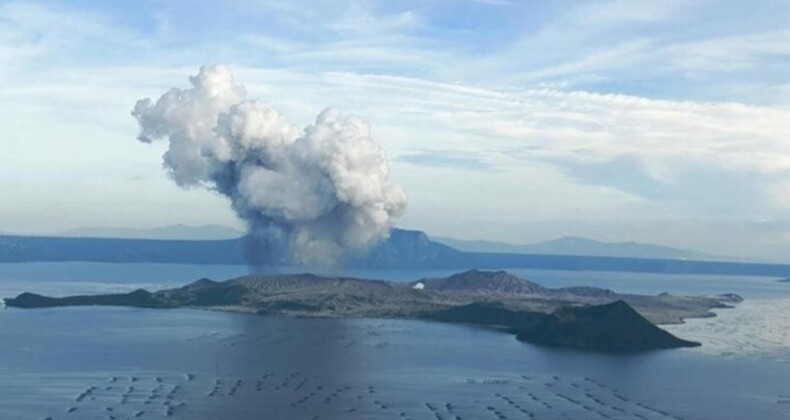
404, 249
570, 245
178, 231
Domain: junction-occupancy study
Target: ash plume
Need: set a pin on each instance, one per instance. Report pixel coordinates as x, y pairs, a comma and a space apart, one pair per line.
321, 193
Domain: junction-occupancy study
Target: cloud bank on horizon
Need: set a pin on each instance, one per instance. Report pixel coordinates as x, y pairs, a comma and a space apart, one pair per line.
323, 192
516, 121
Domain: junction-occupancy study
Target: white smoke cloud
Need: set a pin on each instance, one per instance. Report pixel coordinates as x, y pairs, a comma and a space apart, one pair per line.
323, 191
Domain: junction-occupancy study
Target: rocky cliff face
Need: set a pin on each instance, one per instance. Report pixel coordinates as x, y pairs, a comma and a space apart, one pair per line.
407, 245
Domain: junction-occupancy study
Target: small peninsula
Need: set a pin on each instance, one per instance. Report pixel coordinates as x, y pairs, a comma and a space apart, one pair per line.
610, 327
585, 318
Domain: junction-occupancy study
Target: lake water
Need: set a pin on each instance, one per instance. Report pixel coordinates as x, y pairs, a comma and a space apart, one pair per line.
118, 363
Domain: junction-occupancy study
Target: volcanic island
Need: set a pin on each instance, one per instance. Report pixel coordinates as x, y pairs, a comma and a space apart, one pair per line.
582, 318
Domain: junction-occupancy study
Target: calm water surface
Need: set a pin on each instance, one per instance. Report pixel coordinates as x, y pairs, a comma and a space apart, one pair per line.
103, 363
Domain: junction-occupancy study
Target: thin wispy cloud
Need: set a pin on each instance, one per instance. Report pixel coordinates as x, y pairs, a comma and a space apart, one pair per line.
586, 110
463, 160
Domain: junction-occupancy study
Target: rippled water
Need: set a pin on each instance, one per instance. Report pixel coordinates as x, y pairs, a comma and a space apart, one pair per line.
102, 363
757, 327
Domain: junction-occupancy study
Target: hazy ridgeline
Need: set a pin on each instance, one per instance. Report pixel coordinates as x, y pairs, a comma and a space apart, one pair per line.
402, 249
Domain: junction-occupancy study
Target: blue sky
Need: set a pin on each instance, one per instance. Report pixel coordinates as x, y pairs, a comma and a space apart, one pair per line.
520, 121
